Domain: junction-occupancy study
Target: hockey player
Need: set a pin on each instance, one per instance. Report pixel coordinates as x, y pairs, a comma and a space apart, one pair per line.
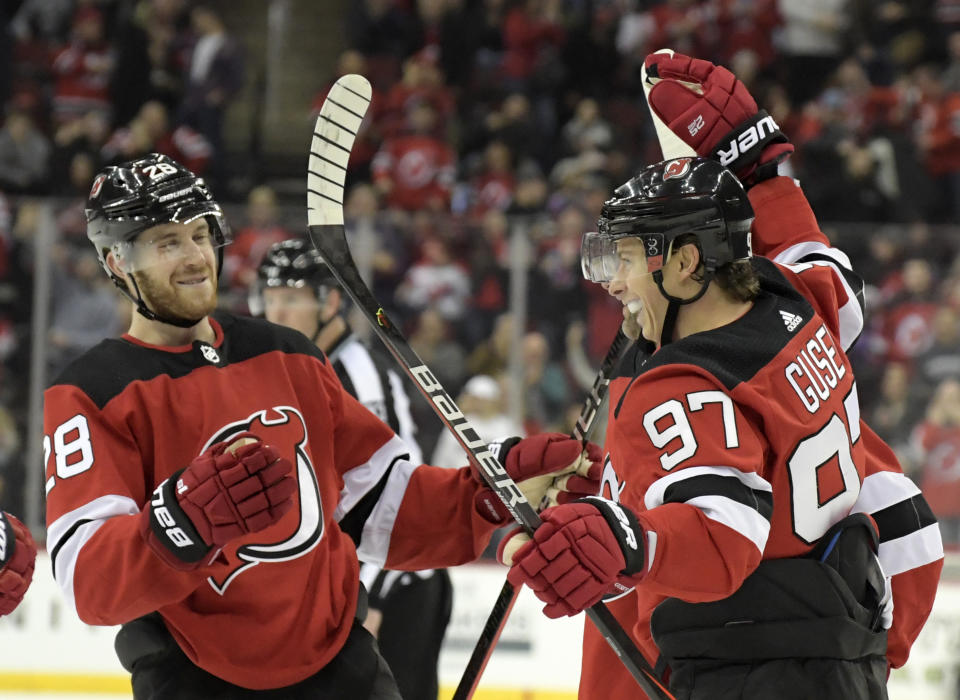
210, 483
18, 554
739, 467
409, 611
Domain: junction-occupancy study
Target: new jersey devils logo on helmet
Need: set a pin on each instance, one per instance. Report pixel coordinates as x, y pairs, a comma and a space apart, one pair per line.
676, 168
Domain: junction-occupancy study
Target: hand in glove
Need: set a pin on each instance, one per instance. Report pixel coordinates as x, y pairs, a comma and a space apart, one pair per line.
582, 552
18, 554
549, 469
225, 493
704, 110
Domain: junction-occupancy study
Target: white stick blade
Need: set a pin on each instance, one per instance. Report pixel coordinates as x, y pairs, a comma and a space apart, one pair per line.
671, 145
333, 136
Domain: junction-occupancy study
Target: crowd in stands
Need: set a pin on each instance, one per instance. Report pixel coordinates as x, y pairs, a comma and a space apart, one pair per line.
496, 116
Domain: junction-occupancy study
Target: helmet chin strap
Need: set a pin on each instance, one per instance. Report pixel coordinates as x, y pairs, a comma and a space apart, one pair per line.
673, 307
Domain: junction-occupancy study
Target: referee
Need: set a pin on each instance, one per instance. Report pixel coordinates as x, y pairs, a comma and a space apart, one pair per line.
409, 611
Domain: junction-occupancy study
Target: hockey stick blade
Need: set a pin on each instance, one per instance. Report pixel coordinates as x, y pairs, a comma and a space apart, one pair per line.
334, 134
497, 620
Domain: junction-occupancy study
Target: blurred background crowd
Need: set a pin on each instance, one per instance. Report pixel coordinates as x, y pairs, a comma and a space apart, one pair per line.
497, 129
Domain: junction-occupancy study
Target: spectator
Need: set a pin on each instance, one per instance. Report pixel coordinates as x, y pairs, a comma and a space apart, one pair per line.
907, 318
85, 310
150, 132
215, 77
416, 170
437, 281
941, 361
546, 391
492, 355
938, 441
83, 69
938, 139
898, 407
251, 242
811, 43
587, 130
483, 403
24, 155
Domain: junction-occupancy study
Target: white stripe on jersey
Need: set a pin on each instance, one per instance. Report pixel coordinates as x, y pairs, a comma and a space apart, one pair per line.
97, 512
359, 480
911, 551
882, 490
850, 314
737, 516
375, 538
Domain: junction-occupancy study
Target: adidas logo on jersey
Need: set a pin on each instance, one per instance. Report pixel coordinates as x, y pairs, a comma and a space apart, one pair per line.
791, 321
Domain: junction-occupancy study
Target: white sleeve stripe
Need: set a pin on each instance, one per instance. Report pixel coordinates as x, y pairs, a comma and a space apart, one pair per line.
654, 494
359, 480
850, 315
744, 519
65, 538
375, 540
790, 255
911, 551
882, 490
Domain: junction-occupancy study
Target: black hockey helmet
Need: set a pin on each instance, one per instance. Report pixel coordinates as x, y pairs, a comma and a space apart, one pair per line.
292, 263
127, 199
665, 200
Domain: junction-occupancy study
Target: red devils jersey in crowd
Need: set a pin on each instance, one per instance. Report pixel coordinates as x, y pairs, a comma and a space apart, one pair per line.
940, 471
420, 168
128, 415
745, 443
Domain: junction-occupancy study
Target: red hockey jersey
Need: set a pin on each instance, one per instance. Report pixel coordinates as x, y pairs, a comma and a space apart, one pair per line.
128, 415
745, 443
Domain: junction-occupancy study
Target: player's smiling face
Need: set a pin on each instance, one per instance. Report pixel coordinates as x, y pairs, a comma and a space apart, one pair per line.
634, 287
176, 269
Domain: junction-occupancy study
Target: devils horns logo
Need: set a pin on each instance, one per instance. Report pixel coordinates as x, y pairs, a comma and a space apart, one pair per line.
284, 428
676, 168
97, 184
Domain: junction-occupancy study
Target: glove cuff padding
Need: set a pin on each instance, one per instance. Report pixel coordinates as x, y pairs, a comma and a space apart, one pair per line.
8, 540
170, 532
742, 150
626, 528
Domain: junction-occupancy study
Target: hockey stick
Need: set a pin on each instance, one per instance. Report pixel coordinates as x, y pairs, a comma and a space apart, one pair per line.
335, 131
497, 619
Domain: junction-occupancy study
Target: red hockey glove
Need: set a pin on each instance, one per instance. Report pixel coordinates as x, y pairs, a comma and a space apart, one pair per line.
549, 469
713, 113
577, 556
18, 554
223, 494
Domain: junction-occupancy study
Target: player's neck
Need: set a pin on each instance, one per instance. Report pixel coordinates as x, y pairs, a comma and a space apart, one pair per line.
713, 310
157, 333
331, 332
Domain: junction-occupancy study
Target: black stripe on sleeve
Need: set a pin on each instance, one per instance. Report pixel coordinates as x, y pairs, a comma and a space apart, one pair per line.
63, 540
353, 521
388, 399
715, 485
903, 518
344, 376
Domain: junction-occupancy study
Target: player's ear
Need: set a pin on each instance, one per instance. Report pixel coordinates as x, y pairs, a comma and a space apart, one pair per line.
115, 266
688, 259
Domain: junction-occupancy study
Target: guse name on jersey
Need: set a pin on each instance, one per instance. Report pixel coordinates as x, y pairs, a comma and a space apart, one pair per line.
815, 372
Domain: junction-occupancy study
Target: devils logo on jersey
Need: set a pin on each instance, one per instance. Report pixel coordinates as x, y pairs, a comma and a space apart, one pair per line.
282, 427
